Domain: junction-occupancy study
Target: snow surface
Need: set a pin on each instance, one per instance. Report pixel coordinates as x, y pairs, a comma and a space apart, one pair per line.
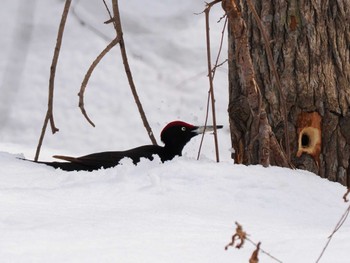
180, 211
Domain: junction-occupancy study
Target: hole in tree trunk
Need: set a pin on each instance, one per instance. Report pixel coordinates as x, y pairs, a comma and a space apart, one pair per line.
309, 133
305, 140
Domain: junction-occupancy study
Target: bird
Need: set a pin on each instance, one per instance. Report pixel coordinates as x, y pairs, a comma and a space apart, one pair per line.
175, 135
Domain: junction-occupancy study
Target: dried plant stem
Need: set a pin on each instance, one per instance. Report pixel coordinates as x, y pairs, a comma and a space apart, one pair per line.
205, 124
242, 236
211, 85
263, 251
49, 113
337, 227
119, 31
213, 71
88, 75
213, 3
86, 24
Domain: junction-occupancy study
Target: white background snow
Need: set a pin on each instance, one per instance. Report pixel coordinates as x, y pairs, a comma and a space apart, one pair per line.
179, 211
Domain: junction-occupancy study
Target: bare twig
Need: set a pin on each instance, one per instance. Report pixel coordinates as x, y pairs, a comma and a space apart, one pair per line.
242, 236
208, 5
111, 20
119, 31
205, 125
263, 251
210, 76
337, 227
209, 94
86, 24
49, 113
213, 3
218, 65
278, 81
220, 49
88, 75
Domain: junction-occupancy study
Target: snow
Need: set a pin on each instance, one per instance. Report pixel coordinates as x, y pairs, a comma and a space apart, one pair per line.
180, 211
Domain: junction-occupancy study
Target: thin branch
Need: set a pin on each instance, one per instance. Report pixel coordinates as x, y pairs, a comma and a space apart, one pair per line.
218, 66
263, 251
220, 49
337, 227
49, 113
88, 75
213, 74
211, 4
210, 75
242, 236
205, 125
109, 13
208, 5
119, 31
86, 24
222, 39
274, 70
42, 135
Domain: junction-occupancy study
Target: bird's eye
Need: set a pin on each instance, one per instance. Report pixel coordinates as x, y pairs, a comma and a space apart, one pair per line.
183, 128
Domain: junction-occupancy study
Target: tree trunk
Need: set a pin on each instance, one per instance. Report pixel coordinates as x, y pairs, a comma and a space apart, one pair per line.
310, 42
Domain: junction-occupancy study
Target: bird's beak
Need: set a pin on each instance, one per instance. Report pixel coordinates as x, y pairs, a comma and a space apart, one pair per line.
203, 129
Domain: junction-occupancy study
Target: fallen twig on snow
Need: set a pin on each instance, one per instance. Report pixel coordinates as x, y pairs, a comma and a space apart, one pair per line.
242, 236
337, 227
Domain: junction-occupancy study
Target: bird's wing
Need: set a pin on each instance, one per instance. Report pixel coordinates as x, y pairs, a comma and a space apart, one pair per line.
99, 160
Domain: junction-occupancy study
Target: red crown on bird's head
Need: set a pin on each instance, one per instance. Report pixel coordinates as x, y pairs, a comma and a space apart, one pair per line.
176, 123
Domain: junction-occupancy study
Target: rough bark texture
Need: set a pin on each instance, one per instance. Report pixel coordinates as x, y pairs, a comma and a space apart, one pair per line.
260, 132
310, 41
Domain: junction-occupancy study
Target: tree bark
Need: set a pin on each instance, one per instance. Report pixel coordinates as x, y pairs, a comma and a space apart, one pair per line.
310, 42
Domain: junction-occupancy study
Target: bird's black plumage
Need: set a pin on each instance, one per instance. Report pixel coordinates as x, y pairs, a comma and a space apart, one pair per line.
174, 136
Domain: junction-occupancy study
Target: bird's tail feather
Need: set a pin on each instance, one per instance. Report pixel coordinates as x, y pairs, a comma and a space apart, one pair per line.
65, 166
